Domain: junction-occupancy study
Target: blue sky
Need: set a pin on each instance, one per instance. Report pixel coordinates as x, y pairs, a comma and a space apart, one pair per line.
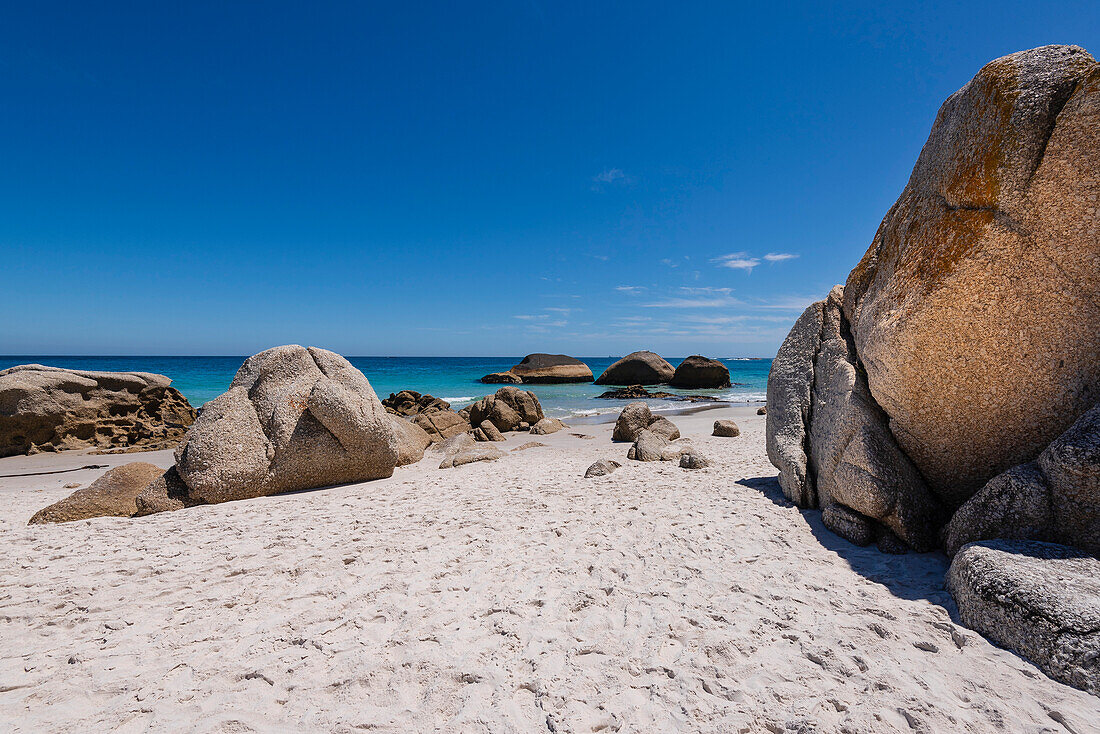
462, 178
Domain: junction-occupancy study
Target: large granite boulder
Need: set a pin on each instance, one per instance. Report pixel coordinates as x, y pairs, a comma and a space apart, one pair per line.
506, 409
976, 310
1039, 600
112, 495
442, 424
293, 418
637, 417
411, 440
1056, 498
699, 372
52, 409
822, 403
550, 368
638, 368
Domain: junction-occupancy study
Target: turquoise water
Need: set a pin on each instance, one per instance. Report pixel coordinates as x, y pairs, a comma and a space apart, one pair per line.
454, 379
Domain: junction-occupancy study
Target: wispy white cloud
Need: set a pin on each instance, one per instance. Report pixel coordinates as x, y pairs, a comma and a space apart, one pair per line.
630, 288
700, 290
611, 175
561, 310
531, 317
777, 257
716, 302
737, 261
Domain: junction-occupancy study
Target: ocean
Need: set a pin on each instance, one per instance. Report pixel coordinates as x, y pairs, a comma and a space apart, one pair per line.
454, 379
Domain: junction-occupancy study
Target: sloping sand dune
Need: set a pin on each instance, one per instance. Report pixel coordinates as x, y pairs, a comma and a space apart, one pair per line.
506, 596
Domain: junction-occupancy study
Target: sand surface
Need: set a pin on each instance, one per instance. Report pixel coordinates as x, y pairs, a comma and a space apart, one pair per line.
506, 596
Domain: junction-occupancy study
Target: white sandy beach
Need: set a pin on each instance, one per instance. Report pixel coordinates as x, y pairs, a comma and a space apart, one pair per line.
513, 595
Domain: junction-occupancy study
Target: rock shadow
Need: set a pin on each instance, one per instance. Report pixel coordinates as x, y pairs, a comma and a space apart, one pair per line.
908, 576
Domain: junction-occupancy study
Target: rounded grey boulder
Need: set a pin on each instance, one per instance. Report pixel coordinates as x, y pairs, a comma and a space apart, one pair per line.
638, 368
698, 372
293, 418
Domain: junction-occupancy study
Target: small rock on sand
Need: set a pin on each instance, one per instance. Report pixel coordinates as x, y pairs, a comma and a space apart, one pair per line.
601, 468
726, 428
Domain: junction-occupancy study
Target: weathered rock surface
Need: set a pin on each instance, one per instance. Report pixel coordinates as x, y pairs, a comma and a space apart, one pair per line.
497, 378
552, 368
1039, 600
637, 417
726, 428
820, 401
112, 495
470, 455
506, 409
490, 431
647, 447
411, 440
637, 368
547, 426
51, 409
410, 402
976, 310
293, 418
692, 459
700, 372
1013, 505
529, 445
442, 424
1071, 466
762, 410
601, 468
165, 493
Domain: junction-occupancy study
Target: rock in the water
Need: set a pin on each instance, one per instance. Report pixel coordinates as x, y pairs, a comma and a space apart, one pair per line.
638, 368
293, 418
470, 455
497, 378
1071, 466
551, 368
490, 431
974, 312
633, 419
547, 426
441, 425
726, 428
410, 402
693, 460
52, 409
507, 408
601, 468
1013, 505
411, 440
1039, 600
762, 410
699, 372
112, 495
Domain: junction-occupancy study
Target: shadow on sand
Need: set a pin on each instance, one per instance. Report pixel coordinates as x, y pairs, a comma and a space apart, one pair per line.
908, 576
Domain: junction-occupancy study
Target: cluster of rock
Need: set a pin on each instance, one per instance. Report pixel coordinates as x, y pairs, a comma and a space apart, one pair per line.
410, 403
543, 368
653, 438
646, 368
52, 409
638, 392
508, 409
948, 393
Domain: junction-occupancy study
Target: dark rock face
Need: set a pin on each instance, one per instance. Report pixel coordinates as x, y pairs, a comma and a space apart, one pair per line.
410, 402
501, 378
700, 372
638, 368
1039, 600
52, 409
1014, 504
637, 392
552, 368
112, 495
